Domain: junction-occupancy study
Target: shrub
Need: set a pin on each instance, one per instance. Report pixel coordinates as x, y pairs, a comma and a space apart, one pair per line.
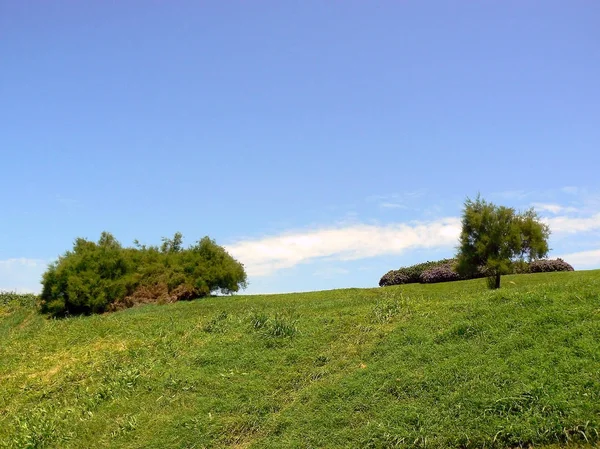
411, 274
393, 277
440, 273
104, 276
546, 265
445, 271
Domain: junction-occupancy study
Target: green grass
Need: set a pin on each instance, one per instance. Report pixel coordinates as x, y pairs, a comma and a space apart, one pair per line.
443, 365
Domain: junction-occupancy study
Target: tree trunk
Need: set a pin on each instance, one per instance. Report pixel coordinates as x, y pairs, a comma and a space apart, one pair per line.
497, 280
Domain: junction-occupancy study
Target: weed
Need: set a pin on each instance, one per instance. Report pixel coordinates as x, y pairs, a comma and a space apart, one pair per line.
258, 320
216, 324
321, 360
36, 429
127, 423
386, 309
282, 327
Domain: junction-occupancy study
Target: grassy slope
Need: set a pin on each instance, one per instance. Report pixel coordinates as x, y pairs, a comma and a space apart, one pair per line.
420, 365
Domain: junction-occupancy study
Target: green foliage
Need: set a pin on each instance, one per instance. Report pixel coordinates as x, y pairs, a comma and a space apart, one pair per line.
448, 365
20, 299
104, 276
495, 237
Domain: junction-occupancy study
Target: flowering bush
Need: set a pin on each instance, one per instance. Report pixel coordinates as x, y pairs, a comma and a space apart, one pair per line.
393, 277
411, 274
444, 271
547, 265
440, 273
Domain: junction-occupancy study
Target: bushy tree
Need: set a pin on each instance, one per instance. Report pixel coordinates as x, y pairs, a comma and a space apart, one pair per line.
104, 276
494, 237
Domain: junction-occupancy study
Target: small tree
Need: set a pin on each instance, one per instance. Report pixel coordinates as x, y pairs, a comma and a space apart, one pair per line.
494, 237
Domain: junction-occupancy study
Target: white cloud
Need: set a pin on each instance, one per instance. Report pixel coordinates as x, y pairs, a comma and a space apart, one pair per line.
352, 241
264, 256
21, 275
552, 208
571, 225
583, 259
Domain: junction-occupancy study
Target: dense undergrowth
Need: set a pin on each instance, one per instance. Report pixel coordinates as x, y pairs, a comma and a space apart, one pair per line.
440, 365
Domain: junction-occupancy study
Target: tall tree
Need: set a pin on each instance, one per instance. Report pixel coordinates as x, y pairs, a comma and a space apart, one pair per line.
494, 237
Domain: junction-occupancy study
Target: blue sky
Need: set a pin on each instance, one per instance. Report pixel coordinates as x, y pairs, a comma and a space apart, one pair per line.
321, 142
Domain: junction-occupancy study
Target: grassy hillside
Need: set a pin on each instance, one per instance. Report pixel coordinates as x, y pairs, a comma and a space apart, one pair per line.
444, 365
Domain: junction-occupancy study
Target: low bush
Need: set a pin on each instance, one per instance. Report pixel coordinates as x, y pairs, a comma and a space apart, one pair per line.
393, 277
411, 274
104, 276
445, 271
440, 273
546, 265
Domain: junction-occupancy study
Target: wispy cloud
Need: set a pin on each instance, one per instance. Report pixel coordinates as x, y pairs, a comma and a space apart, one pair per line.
21, 274
397, 200
571, 225
553, 208
352, 241
21, 262
264, 256
389, 205
583, 259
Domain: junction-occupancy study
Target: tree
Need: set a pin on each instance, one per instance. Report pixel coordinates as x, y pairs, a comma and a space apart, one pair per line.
494, 237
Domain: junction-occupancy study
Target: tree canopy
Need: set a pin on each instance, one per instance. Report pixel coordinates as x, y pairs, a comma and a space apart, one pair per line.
494, 237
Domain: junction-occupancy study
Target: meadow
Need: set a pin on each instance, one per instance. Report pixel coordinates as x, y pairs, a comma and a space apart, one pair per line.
436, 366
